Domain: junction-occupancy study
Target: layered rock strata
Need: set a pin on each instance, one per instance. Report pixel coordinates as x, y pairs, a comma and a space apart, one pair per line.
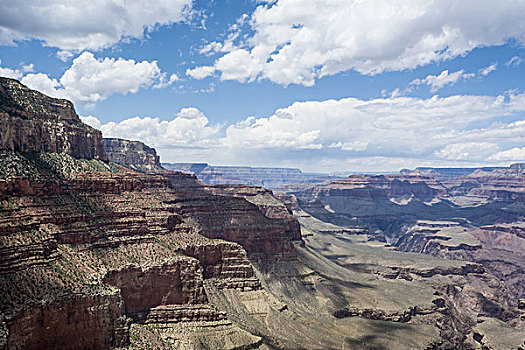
133, 155
32, 121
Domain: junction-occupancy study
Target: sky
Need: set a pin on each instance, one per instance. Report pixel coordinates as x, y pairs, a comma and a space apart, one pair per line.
325, 86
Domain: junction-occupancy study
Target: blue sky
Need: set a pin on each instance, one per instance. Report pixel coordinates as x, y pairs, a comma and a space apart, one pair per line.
321, 85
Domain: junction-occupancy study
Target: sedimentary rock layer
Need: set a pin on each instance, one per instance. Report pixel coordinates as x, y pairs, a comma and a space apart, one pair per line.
33, 122
133, 155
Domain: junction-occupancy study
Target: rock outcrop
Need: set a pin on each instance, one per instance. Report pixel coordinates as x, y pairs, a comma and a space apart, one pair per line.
76, 321
133, 155
33, 122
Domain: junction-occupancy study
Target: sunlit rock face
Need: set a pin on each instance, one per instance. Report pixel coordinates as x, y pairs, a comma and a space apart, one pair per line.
33, 122
132, 154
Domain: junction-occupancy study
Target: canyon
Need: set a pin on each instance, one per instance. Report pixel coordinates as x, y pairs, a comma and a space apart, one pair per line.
102, 246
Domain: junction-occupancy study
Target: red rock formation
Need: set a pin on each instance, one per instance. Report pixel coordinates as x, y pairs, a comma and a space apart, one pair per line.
33, 122
133, 155
226, 263
236, 220
264, 199
174, 282
365, 186
77, 321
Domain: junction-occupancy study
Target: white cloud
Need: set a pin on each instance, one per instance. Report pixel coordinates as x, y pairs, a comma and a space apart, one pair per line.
164, 82
388, 133
90, 80
437, 82
514, 61
91, 121
188, 129
514, 154
200, 72
299, 41
27, 68
211, 48
65, 56
487, 70
43, 83
10, 73
467, 151
79, 25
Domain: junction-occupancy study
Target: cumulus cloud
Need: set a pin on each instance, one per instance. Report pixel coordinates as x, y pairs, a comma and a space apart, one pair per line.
80, 25
91, 121
467, 151
10, 73
189, 128
388, 133
299, 41
437, 82
200, 72
90, 80
514, 154
43, 83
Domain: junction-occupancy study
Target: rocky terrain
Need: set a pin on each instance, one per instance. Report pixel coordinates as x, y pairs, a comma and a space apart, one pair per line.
133, 155
110, 250
32, 121
474, 216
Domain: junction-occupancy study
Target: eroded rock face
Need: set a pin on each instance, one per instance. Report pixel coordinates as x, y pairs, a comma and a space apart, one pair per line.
385, 204
236, 220
33, 122
492, 183
61, 231
76, 321
499, 248
124, 230
264, 199
226, 263
174, 282
133, 155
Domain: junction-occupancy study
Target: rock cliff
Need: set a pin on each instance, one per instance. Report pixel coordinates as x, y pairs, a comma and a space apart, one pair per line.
133, 155
88, 248
33, 122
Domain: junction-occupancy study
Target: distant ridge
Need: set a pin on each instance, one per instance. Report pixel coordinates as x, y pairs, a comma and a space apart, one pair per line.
267, 177
449, 171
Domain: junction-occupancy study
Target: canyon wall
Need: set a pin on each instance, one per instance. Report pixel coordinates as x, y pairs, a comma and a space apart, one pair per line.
132, 154
33, 122
89, 249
